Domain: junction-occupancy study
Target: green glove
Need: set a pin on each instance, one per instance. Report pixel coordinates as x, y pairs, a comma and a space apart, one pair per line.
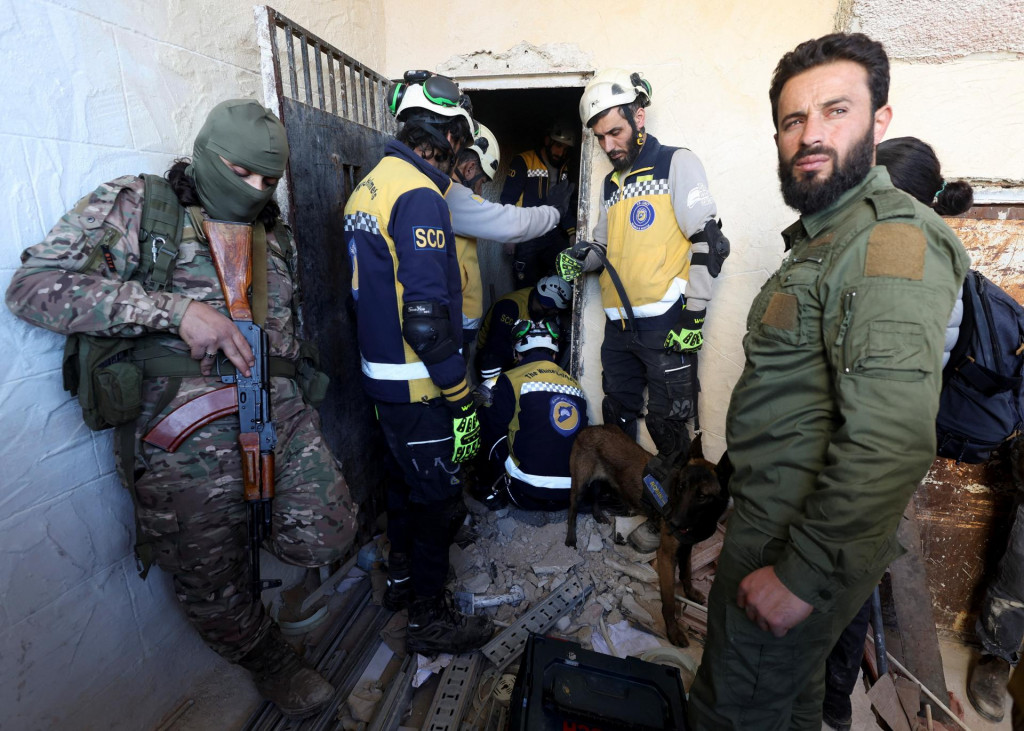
466, 428
567, 266
689, 336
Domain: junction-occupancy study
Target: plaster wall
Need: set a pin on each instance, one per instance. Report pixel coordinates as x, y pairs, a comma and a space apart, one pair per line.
93, 90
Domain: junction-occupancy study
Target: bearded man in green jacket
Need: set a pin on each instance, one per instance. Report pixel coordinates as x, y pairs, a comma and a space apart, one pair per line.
831, 424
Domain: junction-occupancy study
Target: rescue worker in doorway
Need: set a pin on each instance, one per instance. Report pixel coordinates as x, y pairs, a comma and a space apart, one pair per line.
495, 346
538, 178
473, 217
94, 274
530, 427
408, 294
661, 246
831, 424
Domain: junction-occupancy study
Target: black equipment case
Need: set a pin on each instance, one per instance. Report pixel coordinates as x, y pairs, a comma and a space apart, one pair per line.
562, 687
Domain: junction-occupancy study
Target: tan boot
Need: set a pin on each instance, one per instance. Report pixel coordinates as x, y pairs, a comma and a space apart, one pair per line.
986, 688
284, 680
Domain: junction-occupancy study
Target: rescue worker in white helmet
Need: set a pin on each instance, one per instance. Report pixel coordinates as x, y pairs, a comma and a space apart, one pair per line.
474, 217
528, 431
548, 300
408, 295
535, 178
661, 245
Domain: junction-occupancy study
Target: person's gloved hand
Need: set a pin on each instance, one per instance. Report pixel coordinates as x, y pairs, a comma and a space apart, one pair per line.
482, 395
466, 428
560, 195
569, 264
689, 337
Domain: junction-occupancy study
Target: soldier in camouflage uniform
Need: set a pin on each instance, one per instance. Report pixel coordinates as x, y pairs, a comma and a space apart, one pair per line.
83, 278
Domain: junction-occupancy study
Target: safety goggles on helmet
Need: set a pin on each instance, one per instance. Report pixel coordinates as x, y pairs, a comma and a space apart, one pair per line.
423, 90
522, 328
613, 88
529, 334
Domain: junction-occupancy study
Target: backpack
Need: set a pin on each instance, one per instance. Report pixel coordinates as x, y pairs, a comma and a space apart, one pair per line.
980, 406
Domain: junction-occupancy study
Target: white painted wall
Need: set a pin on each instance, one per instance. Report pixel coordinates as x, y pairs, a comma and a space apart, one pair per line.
93, 90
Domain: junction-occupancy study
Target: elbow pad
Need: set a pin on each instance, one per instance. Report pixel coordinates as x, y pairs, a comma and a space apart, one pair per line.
428, 330
718, 248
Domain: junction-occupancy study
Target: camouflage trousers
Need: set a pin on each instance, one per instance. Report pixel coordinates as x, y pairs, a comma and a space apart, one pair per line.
191, 507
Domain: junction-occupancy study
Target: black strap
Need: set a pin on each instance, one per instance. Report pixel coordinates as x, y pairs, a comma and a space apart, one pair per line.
619, 288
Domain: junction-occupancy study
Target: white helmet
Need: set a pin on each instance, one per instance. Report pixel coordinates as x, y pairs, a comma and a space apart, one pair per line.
562, 132
431, 92
554, 291
612, 88
485, 145
529, 334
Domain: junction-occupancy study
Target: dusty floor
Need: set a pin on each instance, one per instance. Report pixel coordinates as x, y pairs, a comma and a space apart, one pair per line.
512, 548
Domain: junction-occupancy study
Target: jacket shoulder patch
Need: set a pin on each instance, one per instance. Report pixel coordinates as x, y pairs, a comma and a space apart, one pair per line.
781, 312
895, 250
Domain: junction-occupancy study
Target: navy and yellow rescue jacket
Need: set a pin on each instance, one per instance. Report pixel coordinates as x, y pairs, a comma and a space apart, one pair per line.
528, 180
645, 243
400, 242
495, 344
541, 408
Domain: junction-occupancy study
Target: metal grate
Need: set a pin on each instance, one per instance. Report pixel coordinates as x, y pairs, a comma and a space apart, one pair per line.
309, 70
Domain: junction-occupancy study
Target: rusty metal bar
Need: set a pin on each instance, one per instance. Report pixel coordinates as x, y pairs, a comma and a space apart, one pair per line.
292, 77
319, 77
305, 68
331, 80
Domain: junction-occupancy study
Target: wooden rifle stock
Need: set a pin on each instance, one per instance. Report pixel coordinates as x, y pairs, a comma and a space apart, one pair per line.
231, 249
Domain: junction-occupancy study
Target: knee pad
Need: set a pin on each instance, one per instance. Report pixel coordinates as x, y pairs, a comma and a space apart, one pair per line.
614, 413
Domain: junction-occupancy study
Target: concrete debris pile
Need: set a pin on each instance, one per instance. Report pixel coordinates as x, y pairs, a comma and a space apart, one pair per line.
510, 548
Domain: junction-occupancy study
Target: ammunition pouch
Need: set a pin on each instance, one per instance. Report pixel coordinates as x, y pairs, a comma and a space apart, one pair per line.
108, 383
312, 381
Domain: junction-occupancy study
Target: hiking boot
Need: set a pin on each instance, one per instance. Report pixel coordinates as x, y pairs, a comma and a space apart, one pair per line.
283, 679
398, 594
986, 688
435, 627
646, 538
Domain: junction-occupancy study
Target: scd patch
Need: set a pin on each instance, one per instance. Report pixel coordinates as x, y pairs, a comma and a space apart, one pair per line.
428, 239
565, 417
641, 216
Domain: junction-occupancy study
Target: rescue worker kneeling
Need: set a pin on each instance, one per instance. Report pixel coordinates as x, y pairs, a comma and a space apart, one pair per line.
532, 423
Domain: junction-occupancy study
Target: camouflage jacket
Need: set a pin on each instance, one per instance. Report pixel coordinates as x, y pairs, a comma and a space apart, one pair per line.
62, 286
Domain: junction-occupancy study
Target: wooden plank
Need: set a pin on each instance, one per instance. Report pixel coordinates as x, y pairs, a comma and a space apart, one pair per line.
909, 694
912, 637
884, 699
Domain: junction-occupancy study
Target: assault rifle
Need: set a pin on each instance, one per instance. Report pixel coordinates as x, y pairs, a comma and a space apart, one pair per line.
231, 251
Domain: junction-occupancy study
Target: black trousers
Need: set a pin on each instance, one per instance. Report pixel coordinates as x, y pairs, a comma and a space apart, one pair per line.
425, 509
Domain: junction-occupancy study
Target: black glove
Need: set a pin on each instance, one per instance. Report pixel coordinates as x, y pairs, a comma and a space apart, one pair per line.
560, 195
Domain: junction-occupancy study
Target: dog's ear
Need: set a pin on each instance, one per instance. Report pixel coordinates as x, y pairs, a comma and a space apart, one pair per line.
724, 470
696, 448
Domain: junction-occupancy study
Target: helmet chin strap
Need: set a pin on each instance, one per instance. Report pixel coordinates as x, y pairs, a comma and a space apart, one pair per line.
470, 182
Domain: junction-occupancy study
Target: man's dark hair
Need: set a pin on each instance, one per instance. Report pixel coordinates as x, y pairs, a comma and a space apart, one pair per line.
185, 188
420, 127
855, 47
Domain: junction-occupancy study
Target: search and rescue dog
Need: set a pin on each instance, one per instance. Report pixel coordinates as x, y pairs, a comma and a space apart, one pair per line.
698, 495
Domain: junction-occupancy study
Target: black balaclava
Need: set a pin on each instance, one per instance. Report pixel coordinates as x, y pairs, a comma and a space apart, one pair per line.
245, 133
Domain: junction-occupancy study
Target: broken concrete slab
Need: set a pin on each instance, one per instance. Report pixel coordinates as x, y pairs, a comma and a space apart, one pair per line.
595, 543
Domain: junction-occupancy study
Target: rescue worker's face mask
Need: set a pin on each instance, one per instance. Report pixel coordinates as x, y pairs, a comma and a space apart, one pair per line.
243, 132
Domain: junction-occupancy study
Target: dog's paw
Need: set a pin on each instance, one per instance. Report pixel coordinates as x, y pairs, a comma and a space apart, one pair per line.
677, 634
696, 596
570, 541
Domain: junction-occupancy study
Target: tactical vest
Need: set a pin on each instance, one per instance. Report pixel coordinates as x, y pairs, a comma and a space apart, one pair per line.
645, 244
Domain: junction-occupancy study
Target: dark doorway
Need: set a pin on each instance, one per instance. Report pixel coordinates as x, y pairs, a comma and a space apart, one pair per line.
519, 118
